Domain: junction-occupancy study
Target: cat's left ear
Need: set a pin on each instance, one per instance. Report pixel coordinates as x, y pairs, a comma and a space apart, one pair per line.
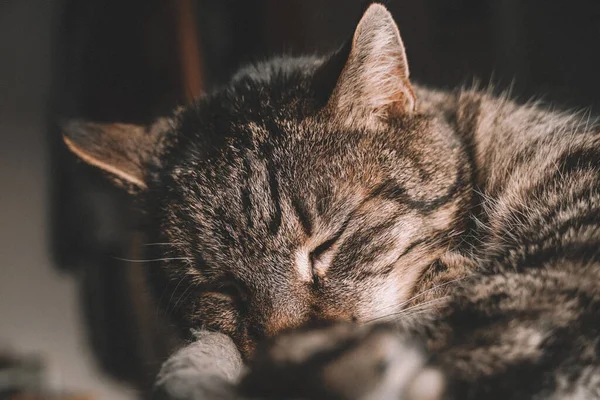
125, 152
372, 71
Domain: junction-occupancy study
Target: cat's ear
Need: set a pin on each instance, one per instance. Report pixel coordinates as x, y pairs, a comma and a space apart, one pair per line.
374, 78
124, 151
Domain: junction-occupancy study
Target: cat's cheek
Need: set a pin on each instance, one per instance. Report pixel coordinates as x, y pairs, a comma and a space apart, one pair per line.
219, 313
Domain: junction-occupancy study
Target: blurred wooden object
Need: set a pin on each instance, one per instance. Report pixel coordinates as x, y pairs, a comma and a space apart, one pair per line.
190, 59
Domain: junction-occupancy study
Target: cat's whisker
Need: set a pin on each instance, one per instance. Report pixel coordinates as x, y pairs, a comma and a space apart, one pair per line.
185, 293
152, 259
421, 307
173, 293
424, 304
163, 244
420, 294
416, 313
405, 311
430, 290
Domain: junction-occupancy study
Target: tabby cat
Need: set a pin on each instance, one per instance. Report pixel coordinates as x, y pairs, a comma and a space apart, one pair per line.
390, 241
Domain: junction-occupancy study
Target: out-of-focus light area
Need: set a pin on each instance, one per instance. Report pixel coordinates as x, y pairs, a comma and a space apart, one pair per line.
76, 320
40, 318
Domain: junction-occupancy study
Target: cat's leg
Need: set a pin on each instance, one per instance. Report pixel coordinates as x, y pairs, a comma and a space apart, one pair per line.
206, 369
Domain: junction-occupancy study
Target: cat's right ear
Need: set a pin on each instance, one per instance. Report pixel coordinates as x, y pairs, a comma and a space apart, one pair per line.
124, 151
368, 77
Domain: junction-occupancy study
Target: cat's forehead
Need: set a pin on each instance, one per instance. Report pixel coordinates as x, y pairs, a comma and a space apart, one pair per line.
260, 165
248, 138
258, 145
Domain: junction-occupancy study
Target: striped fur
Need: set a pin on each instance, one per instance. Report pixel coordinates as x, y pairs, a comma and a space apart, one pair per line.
462, 232
520, 291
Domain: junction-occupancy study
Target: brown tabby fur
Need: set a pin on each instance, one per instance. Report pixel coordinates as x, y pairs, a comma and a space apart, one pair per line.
335, 191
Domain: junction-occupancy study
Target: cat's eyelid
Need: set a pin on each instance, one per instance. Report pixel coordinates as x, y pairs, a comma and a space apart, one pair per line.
229, 288
318, 251
323, 247
220, 295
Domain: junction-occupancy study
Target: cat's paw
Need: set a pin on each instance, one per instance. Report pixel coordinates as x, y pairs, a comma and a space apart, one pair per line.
207, 368
343, 361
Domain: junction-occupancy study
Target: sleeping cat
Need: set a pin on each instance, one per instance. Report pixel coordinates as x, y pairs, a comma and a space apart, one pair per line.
380, 239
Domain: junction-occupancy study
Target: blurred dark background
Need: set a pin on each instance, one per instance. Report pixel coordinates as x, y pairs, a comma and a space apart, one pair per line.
64, 292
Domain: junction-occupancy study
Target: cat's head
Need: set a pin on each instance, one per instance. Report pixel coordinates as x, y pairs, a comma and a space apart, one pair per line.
307, 189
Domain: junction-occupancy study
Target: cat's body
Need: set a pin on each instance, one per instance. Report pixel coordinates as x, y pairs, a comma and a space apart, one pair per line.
334, 190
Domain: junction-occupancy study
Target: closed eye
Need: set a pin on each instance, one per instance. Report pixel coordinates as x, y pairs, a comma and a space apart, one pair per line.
226, 288
232, 290
321, 249
229, 290
320, 258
